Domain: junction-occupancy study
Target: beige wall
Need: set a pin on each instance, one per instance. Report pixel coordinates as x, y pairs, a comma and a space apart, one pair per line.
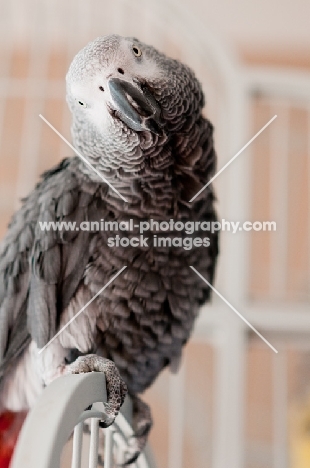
272, 26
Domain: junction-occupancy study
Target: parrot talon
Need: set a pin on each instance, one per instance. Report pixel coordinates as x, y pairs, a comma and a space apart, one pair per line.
116, 387
142, 423
131, 456
105, 423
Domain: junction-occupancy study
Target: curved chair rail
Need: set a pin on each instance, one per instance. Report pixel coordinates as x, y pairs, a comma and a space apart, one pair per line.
60, 411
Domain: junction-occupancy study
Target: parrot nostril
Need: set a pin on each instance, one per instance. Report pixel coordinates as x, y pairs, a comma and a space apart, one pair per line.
121, 71
101, 88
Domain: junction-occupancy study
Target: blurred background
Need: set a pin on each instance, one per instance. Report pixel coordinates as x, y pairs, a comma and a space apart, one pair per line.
235, 403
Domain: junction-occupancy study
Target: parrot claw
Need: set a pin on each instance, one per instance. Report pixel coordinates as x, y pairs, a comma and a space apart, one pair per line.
116, 387
142, 423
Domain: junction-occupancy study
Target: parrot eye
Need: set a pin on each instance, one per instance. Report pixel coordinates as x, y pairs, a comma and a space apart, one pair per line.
82, 103
137, 52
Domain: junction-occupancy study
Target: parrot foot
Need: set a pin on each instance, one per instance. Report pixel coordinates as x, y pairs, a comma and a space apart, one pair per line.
116, 387
142, 423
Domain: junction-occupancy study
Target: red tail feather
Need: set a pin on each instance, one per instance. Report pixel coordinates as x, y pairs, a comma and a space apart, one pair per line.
10, 425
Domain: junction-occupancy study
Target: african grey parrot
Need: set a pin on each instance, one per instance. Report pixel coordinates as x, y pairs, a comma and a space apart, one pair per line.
137, 118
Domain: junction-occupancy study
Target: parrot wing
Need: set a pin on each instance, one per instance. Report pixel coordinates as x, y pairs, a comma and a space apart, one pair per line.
40, 269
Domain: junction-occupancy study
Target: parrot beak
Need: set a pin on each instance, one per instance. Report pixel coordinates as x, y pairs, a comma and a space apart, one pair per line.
135, 105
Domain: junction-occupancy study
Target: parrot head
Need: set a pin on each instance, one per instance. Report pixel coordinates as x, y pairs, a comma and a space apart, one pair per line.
110, 79
126, 97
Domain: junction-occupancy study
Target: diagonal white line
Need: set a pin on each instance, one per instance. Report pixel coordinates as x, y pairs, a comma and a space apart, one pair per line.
235, 310
83, 308
82, 157
233, 158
